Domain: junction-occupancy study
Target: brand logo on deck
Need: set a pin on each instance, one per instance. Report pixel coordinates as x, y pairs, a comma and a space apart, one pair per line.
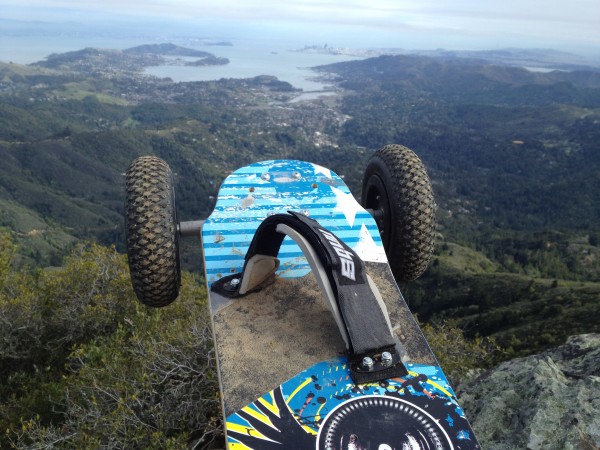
346, 259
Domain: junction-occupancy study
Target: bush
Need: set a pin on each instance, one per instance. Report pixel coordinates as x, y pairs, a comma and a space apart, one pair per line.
86, 365
456, 354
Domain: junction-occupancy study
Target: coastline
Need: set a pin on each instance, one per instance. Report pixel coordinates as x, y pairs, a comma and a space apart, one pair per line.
247, 59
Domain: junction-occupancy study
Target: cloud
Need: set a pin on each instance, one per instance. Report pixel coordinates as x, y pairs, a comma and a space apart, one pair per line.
552, 20
349, 11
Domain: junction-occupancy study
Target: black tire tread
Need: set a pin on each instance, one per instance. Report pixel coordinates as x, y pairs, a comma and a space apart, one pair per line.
414, 209
150, 224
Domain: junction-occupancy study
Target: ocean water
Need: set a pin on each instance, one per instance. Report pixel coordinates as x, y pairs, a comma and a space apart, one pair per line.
248, 58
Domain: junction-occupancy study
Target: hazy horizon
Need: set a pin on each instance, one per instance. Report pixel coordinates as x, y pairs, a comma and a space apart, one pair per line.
466, 25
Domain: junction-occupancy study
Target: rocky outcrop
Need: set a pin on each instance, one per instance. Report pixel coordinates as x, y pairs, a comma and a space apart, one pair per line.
547, 401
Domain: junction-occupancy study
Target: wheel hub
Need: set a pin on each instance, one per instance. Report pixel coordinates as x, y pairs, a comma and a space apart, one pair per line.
378, 204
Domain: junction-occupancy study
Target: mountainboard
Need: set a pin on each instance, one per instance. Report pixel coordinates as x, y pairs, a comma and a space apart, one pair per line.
316, 347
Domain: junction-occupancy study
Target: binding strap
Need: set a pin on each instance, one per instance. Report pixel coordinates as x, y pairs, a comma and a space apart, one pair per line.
353, 298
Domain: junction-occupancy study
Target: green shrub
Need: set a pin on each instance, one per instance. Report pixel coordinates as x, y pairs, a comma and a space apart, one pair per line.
456, 354
85, 365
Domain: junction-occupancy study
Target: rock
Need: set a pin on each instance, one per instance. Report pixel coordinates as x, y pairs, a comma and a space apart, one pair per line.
546, 401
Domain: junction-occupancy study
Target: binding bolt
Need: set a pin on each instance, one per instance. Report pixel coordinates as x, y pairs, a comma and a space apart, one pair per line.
296, 175
386, 358
265, 176
234, 282
367, 363
306, 212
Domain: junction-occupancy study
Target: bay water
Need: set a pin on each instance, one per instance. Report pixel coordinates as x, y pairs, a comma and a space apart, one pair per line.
247, 58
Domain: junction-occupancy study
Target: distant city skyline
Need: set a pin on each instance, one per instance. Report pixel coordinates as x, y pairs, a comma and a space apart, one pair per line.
462, 24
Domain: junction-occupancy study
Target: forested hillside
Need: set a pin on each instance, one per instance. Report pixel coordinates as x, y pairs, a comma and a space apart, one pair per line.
65, 141
519, 149
515, 161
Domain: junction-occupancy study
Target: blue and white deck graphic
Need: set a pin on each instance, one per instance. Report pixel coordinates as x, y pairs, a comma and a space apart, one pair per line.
272, 187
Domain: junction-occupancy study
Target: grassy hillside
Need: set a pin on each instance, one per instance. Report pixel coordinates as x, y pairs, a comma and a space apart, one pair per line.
40, 241
524, 314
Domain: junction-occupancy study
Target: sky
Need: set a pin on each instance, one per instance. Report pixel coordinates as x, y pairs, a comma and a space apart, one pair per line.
456, 24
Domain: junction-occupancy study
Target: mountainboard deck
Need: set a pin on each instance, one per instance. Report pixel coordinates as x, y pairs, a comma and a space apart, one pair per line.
284, 377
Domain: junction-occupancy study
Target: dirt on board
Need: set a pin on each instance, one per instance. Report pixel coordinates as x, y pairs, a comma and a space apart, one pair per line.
265, 338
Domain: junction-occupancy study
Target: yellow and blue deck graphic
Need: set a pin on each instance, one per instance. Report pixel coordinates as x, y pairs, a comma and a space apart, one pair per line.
321, 408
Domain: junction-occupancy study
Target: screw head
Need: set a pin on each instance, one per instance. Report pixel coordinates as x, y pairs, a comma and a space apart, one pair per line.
231, 285
265, 176
386, 358
296, 175
367, 363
